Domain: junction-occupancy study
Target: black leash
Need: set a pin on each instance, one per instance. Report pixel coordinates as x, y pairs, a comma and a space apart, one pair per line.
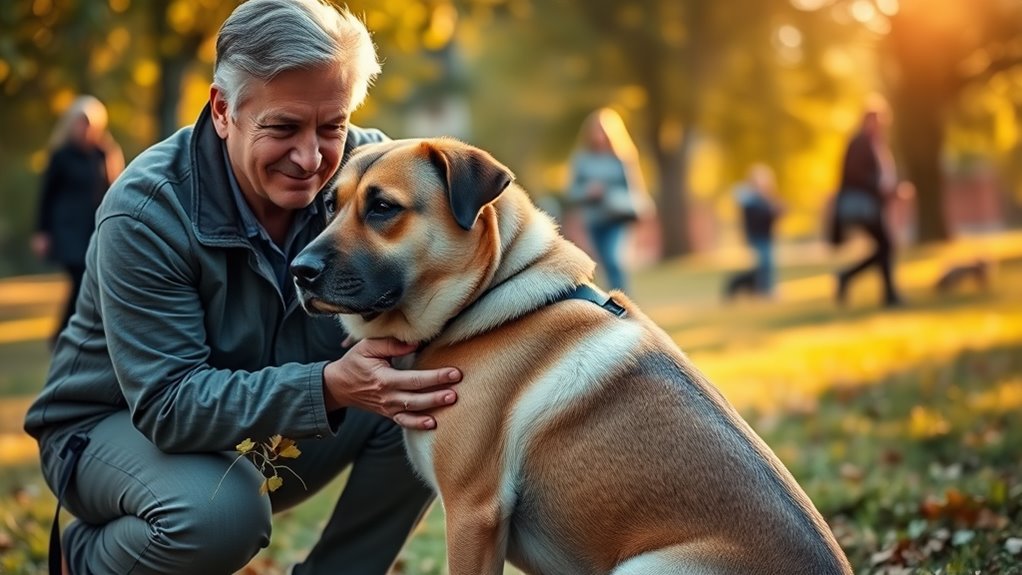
71, 453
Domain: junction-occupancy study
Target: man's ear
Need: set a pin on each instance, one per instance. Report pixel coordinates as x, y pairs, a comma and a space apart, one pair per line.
219, 109
473, 177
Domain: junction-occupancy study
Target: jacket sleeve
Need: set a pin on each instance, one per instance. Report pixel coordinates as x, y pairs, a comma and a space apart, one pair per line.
155, 330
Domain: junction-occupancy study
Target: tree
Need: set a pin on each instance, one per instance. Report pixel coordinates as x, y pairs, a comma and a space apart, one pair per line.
935, 55
706, 72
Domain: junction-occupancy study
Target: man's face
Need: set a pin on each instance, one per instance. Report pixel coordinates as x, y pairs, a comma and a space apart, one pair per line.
287, 137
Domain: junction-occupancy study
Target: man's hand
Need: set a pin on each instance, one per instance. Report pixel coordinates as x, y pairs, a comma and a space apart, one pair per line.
363, 378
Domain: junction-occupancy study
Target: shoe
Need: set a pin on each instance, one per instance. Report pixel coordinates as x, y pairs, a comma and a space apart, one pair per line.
894, 302
841, 297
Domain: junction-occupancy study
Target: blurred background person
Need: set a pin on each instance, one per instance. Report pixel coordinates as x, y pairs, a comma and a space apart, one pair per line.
607, 189
84, 159
868, 183
757, 198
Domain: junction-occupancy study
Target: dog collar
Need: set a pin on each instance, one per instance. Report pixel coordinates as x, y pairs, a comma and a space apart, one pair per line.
585, 292
597, 296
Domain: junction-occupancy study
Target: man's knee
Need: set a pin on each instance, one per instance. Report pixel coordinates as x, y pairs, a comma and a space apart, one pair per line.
216, 532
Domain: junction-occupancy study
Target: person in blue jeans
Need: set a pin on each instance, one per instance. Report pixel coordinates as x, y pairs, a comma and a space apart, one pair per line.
756, 197
607, 187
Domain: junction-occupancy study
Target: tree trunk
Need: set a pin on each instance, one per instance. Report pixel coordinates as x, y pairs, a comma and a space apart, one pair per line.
919, 128
673, 209
168, 98
175, 52
923, 87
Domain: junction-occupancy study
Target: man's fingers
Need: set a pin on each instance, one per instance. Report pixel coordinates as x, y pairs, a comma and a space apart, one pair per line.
413, 402
384, 348
417, 380
413, 421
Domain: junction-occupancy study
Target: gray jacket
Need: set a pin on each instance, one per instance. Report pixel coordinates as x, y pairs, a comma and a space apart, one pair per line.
617, 204
180, 320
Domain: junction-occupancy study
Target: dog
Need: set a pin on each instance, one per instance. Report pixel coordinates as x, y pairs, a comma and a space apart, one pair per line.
957, 275
583, 440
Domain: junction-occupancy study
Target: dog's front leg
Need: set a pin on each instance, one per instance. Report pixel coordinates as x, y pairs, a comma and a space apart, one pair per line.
476, 538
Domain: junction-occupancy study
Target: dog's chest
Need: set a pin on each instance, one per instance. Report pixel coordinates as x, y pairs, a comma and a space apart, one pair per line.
419, 446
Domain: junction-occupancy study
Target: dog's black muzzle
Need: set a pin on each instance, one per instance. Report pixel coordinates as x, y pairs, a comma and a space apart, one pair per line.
330, 282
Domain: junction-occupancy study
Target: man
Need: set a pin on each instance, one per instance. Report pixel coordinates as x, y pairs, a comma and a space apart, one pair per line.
189, 339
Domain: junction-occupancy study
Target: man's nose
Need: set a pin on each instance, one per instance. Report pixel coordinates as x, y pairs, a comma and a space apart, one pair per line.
306, 154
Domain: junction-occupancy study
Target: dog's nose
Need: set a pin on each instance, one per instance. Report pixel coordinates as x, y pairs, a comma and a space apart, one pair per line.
306, 269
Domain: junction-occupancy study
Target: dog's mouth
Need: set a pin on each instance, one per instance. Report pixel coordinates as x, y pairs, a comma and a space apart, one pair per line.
386, 301
315, 305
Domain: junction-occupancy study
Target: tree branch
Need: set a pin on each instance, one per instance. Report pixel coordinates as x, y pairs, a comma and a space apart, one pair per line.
992, 69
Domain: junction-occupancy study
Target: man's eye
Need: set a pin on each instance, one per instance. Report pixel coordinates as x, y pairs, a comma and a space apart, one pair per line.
281, 128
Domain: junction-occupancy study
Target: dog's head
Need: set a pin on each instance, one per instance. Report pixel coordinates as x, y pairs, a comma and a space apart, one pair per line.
405, 246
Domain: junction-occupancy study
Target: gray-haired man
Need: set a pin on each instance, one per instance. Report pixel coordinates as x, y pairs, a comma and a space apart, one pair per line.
188, 337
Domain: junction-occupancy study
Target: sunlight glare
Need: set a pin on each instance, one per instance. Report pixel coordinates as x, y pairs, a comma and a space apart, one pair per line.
863, 11
789, 36
887, 7
809, 5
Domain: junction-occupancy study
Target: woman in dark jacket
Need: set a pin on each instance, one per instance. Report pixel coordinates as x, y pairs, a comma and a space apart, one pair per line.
867, 183
84, 161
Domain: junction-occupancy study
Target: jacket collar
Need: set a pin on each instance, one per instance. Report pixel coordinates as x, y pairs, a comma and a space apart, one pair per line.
214, 214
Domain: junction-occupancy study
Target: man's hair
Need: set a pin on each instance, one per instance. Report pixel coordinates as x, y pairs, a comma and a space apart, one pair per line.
263, 38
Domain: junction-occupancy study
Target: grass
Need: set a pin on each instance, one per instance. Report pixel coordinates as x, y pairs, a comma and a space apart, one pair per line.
902, 425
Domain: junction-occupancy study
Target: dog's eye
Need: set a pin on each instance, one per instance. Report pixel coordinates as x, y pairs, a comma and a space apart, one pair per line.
330, 203
382, 209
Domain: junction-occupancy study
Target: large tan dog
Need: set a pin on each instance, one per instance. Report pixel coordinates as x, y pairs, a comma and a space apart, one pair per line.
583, 440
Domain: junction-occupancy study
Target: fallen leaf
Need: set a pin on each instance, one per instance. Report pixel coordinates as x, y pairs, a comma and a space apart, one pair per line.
290, 452
962, 536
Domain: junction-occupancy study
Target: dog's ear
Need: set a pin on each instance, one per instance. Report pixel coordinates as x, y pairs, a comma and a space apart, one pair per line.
473, 178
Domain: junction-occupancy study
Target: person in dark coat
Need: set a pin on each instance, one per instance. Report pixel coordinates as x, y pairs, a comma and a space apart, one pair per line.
84, 161
868, 182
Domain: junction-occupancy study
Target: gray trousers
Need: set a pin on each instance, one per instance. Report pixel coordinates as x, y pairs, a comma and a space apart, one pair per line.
139, 510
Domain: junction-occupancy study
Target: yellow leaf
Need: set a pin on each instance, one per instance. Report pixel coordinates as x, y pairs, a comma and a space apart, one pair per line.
274, 483
288, 449
245, 446
274, 441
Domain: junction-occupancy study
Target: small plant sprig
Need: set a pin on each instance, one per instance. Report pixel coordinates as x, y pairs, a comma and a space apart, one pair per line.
266, 456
